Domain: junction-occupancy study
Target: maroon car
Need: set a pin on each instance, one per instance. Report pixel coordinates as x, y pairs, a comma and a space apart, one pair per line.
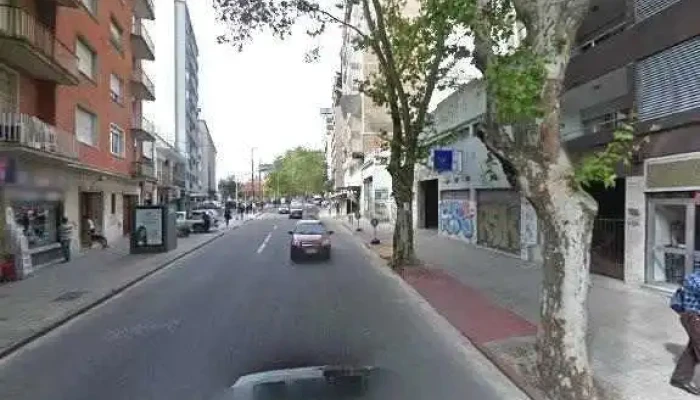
310, 238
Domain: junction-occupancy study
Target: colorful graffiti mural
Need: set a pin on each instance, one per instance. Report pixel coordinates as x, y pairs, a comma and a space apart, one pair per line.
457, 219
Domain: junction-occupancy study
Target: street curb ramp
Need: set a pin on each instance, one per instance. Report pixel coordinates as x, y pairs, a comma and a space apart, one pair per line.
509, 372
7, 351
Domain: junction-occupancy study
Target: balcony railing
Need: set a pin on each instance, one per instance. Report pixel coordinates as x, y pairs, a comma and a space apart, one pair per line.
144, 87
143, 46
144, 130
29, 132
144, 9
143, 169
55, 61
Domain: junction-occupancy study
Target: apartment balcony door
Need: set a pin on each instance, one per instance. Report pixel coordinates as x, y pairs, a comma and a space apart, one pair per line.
9, 89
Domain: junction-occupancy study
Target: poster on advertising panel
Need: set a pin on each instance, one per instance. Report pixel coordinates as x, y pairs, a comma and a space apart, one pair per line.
149, 227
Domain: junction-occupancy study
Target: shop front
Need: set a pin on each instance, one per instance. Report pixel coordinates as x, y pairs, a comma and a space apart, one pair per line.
673, 219
36, 196
673, 249
37, 212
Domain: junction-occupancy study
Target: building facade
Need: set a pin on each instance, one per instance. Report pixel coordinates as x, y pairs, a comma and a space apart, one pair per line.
360, 130
187, 138
71, 135
207, 173
462, 191
629, 67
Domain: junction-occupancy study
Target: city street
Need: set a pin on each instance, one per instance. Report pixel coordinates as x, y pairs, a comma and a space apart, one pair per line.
239, 306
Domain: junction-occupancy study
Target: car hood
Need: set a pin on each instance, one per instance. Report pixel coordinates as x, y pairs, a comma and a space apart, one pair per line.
244, 387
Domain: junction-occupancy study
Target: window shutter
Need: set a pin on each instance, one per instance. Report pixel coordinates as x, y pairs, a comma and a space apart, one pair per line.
646, 8
457, 161
669, 82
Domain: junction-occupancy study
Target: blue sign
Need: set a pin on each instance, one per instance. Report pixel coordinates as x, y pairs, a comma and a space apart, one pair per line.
442, 160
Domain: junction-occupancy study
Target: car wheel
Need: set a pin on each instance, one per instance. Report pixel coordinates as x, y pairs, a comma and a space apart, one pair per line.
327, 254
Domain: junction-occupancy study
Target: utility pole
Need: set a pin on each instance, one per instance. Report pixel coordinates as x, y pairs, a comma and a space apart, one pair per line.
252, 172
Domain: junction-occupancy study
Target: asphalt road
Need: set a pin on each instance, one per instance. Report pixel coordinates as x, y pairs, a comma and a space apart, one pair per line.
239, 306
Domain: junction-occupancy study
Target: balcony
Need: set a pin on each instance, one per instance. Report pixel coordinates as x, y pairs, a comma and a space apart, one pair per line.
141, 43
143, 170
165, 177
144, 9
142, 86
28, 45
143, 129
29, 134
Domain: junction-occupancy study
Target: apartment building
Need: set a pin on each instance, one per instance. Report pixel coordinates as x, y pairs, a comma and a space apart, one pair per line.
170, 169
359, 125
639, 58
207, 173
70, 130
187, 99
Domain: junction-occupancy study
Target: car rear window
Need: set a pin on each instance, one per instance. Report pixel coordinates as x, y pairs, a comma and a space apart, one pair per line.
310, 229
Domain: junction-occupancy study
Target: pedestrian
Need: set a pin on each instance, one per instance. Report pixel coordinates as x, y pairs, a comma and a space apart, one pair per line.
227, 216
686, 302
65, 233
207, 221
94, 236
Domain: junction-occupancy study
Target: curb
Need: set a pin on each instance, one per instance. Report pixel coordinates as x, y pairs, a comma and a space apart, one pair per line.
7, 351
504, 368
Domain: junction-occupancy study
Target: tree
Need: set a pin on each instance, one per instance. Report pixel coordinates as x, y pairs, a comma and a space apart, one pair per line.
228, 187
298, 172
415, 53
522, 130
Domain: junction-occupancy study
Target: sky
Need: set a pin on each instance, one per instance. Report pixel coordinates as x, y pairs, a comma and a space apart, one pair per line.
265, 98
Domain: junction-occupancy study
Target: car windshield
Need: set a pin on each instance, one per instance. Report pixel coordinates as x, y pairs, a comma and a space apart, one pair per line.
310, 229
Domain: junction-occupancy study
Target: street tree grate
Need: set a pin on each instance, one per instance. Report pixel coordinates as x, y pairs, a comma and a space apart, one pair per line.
70, 296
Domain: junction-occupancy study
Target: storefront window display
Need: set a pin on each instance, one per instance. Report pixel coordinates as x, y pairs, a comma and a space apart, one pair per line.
674, 240
39, 221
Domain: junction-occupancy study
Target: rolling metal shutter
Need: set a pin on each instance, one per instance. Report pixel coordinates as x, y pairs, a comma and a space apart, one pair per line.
646, 8
669, 82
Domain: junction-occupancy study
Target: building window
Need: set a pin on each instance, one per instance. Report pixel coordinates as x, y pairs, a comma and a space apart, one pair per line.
667, 82
117, 140
113, 203
91, 5
646, 8
86, 126
115, 88
115, 34
86, 59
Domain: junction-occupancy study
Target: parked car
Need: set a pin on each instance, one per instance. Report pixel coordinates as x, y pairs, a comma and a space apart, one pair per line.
284, 209
184, 225
310, 238
198, 214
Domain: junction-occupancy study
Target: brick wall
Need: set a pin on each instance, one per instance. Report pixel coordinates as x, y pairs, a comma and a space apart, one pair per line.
94, 95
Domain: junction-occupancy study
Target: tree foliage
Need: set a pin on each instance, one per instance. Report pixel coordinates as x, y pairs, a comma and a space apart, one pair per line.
298, 172
228, 187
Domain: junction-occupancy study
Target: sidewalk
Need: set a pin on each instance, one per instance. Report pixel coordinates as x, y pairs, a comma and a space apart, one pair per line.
493, 299
57, 293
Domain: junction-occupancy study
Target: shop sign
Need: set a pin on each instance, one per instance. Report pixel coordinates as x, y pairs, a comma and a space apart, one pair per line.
442, 160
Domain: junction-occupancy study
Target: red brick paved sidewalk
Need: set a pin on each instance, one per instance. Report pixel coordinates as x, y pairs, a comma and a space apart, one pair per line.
493, 299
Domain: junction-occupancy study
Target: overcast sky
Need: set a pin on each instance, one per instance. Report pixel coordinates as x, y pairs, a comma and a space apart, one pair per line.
265, 97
